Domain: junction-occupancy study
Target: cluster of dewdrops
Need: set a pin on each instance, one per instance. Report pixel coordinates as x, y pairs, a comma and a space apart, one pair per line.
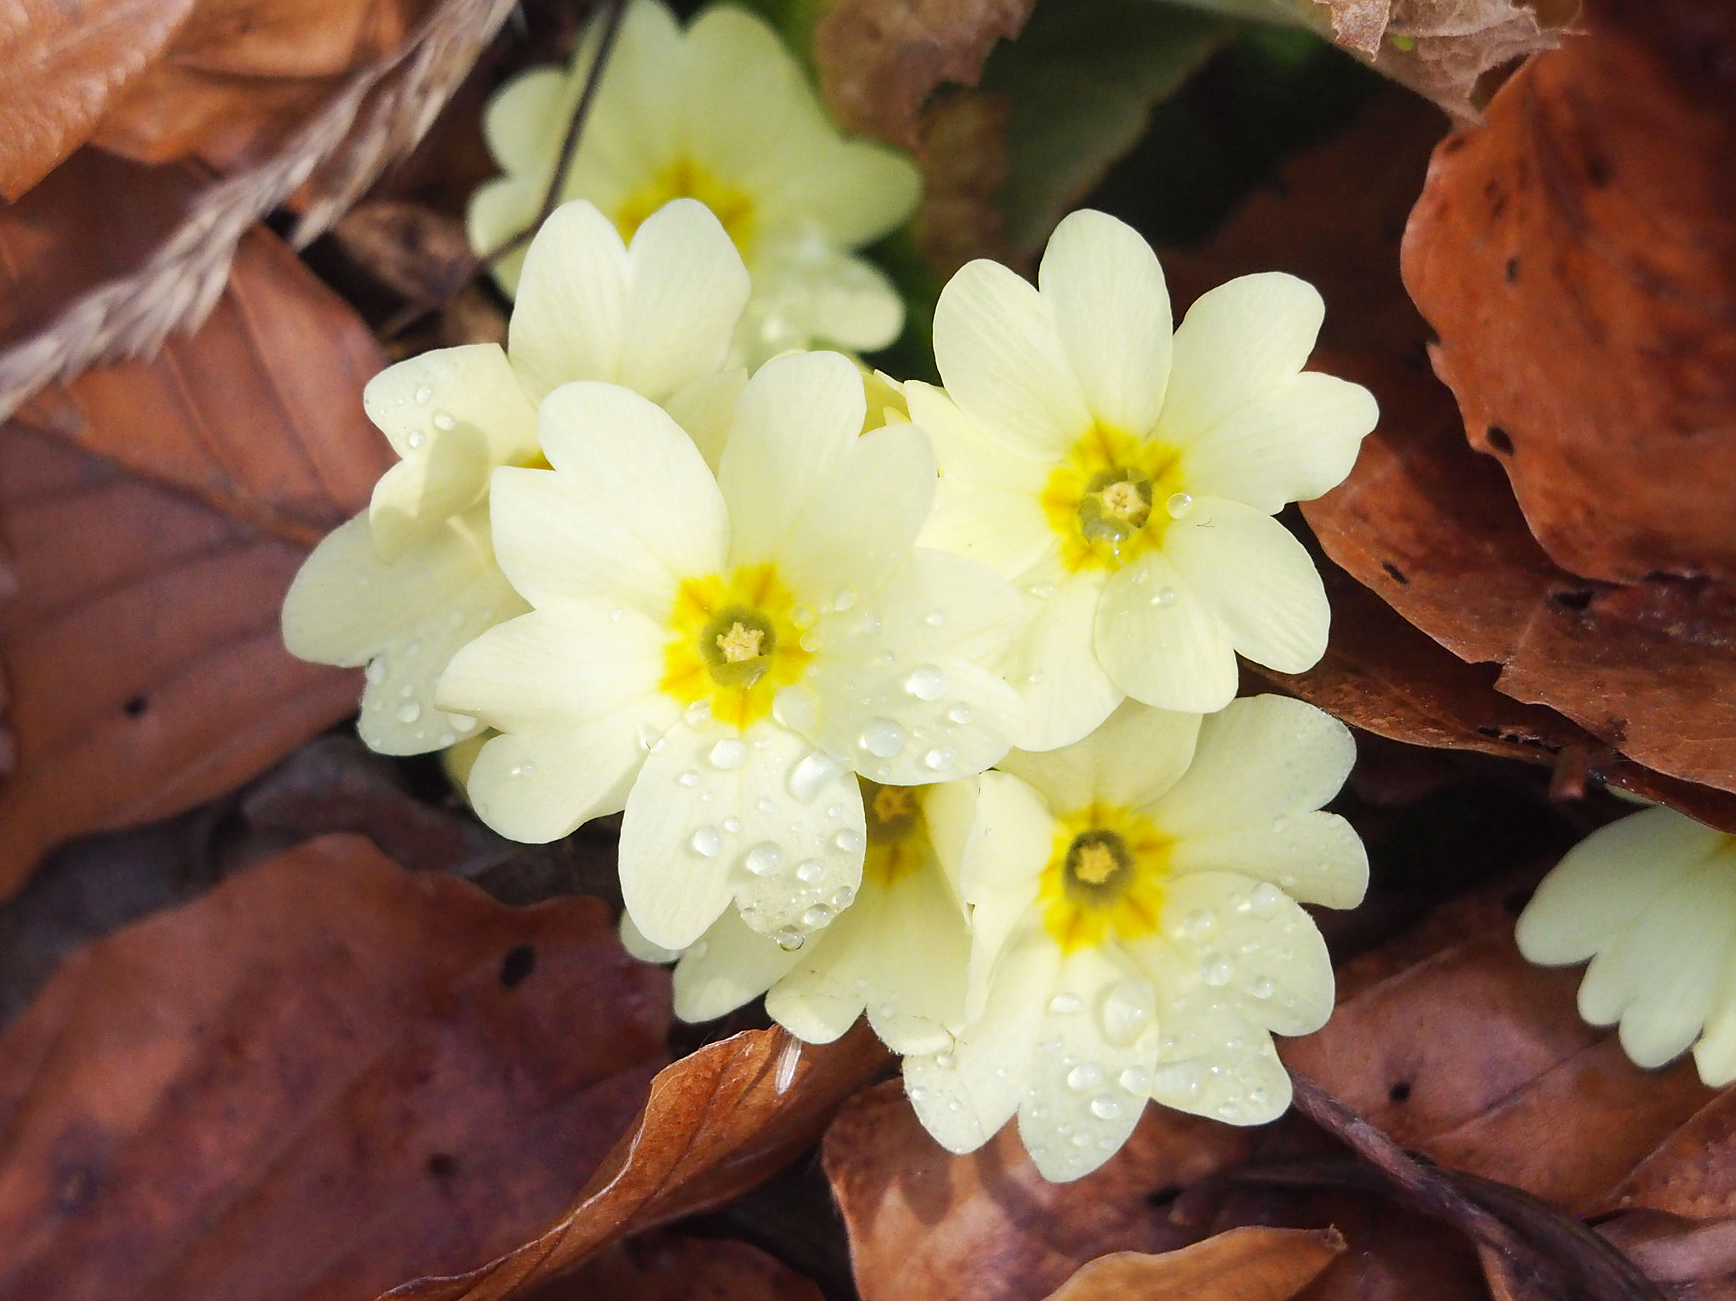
917, 700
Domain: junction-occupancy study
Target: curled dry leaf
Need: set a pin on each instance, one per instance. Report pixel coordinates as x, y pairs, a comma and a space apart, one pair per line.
155, 514
1577, 258
318, 1079
1009, 1234
177, 274
670, 1267
879, 60
717, 1122
1450, 1043
1253, 1263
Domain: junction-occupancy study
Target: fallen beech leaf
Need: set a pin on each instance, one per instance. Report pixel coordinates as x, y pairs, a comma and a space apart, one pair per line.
963, 155
878, 60
1450, 1043
924, 1223
716, 1123
175, 277
1432, 528
325, 1075
1254, 1263
668, 1267
1577, 257
155, 513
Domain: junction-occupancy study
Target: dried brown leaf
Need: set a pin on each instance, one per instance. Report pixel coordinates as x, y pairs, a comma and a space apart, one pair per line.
1253, 1263
716, 1123
1577, 258
325, 1075
669, 1267
379, 111
155, 514
1009, 1234
879, 60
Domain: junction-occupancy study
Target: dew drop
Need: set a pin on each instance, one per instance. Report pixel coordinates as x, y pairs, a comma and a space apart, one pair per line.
1042, 591
448, 738
843, 898
934, 618
689, 778
1036, 679
698, 714
870, 624
810, 775
960, 714
1200, 924
916, 1093
844, 600
1086, 1075
1165, 597
1183, 1081
816, 917
616, 615
407, 690
409, 712
444, 420
940, 758
416, 439
834, 811
376, 671
424, 395
764, 858
883, 738
803, 617
1128, 1009
732, 825
707, 841
850, 840
1216, 970
789, 939
1262, 987
926, 683
764, 805
1179, 505
946, 1061
1105, 1107
1066, 1004
731, 752
1135, 1079
1050, 1045
1266, 899
810, 871
649, 737
463, 722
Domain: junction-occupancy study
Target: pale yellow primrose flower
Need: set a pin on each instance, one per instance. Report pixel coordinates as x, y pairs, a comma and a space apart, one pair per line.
1135, 931
401, 588
899, 953
1124, 480
721, 113
1651, 900
719, 654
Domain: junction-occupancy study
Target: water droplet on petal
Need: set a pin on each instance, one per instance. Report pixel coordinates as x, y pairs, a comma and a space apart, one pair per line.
409, 712
732, 825
616, 615
1216, 970
789, 939
1180, 1080
1179, 505
731, 752
844, 600
463, 722
810, 871
1135, 1079
916, 1093
797, 708
416, 439
689, 778
850, 840
1262, 987
946, 1061
940, 758
1105, 1107
960, 714
1165, 597
883, 738
926, 683
698, 714
764, 805
707, 842
1042, 591
870, 624
375, 673
934, 618
1086, 1075
424, 395
448, 738
1200, 924
1066, 1004
1128, 1009
649, 736
764, 858
444, 420
844, 897
816, 917
811, 774
1266, 899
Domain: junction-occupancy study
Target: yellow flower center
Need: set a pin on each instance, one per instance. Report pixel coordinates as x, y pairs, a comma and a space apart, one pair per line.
897, 832
685, 179
1105, 877
734, 643
1101, 499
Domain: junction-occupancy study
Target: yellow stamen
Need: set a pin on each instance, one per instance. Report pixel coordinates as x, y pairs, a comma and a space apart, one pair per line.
740, 643
1094, 864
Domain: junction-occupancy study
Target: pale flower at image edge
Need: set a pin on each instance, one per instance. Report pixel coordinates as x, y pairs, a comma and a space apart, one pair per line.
403, 586
719, 654
1651, 900
1136, 931
723, 113
1124, 479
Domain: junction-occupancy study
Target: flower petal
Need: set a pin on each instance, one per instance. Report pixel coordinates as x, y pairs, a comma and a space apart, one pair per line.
630, 510
540, 786
1261, 759
1293, 442
1315, 857
1237, 342
1160, 641
742, 137
640, 947
795, 419
1137, 755
728, 966
1053, 662
705, 409
717, 814
1259, 581
898, 680
686, 287
1002, 360
1092, 1071
404, 620
863, 518
964, 1095
1111, 307
569, 322
1011, 836
1606, 881
804, 293
855, 191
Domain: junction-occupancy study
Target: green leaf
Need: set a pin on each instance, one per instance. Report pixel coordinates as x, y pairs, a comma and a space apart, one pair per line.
1080, 83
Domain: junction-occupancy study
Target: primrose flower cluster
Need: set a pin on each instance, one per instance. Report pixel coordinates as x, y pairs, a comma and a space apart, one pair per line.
918, 707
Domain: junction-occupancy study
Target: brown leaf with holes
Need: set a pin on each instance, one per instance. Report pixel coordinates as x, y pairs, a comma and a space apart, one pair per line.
155, 513
1577, 258
717, 1122
1009, 1234
879, 60
322, 1077
1453, 1045
1254, 1263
